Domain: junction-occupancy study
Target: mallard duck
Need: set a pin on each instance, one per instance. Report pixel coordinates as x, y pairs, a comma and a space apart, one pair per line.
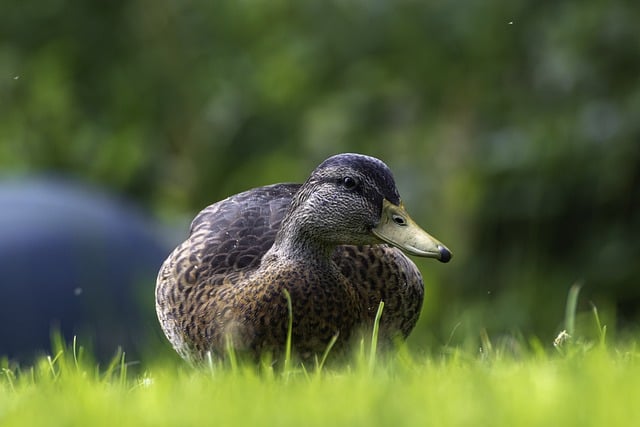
334, 243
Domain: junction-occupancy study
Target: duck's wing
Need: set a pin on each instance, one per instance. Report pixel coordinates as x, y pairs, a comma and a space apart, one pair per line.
233, 234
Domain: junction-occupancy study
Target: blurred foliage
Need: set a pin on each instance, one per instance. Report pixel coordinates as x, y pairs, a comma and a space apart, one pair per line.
512, 126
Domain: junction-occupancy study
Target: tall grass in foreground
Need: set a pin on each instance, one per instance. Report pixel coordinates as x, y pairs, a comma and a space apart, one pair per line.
578, 383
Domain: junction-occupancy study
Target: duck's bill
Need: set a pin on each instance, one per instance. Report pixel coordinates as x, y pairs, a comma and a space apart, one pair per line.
398, 229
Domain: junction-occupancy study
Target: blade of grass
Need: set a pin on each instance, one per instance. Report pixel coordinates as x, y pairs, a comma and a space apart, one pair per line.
287, 350
123, 370
571, 307
486, 347
602, 329
231, 353
9, 374
334, 338
113, 365
52, 364
374, 337
209, 362
75, 351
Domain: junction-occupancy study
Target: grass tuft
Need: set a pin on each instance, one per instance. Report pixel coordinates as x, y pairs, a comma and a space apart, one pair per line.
580, 382
598, 385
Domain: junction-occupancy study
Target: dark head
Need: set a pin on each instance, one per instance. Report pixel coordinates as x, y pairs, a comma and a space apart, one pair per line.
352, 199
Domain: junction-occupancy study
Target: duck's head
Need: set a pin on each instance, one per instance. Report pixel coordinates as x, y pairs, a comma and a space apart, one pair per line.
352, 199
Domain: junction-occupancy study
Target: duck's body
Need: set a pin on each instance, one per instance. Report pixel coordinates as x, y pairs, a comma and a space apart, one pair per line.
225, 283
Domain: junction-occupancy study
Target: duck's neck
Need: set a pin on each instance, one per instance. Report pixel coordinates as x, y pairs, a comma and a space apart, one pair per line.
297, 243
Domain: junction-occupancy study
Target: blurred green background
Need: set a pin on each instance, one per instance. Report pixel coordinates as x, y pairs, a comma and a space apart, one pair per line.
512, 127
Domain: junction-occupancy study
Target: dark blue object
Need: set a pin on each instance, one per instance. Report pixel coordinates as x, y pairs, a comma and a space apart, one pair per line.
77, 261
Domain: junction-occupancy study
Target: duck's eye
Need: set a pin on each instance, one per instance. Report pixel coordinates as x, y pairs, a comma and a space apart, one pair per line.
399, 220
349, 183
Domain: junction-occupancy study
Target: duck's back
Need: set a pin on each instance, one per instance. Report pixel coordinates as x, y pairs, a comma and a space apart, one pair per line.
233, 234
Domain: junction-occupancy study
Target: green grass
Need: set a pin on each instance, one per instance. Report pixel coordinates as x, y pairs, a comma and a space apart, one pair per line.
577, 383
589, 386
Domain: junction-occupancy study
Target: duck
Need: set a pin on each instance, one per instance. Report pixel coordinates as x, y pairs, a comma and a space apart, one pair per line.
312, 260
